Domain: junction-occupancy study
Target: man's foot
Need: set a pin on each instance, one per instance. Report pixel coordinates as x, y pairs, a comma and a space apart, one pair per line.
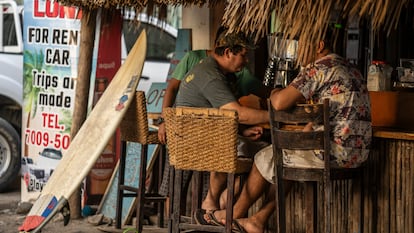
216, 216
220, 215
249, 225
199, 217
209, 205
236, 227
210, 218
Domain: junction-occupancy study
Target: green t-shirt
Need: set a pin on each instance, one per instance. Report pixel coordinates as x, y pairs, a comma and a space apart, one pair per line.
187, 62
246, 83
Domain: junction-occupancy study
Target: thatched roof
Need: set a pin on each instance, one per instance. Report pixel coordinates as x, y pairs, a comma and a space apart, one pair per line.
307, 18
136, 4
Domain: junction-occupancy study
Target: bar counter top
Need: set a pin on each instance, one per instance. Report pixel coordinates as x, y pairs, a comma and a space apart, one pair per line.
393, 133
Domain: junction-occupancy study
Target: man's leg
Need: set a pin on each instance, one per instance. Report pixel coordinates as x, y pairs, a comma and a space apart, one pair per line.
252, 190
218, 182
237, 191
256, 223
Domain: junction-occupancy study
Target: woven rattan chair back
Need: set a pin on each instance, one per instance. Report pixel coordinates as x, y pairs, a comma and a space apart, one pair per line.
202, 139
134, 125
134, 128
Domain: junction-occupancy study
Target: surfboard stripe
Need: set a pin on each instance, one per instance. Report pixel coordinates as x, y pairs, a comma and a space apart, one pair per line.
38, 214
31, 222
50, 207
91, 138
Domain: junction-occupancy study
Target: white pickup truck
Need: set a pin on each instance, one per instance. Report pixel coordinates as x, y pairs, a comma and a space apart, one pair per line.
11, 89
11, 77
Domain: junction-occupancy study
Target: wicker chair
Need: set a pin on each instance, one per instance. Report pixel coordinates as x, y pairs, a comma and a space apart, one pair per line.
285, 137
134, 128
205, 140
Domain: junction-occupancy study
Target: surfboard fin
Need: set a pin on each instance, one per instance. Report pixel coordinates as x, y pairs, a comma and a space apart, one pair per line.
62, 204
65, 211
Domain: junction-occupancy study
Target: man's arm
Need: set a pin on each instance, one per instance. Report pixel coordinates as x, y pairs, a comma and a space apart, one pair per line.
286, 97
168, 101
170, 93
248, 116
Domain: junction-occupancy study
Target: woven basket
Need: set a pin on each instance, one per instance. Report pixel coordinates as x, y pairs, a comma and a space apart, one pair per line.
202, 139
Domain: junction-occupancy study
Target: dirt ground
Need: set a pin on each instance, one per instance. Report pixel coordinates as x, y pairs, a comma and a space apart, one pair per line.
10, 219
9, 223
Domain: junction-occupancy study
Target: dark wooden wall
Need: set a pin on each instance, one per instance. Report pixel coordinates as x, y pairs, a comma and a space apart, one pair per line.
398, 43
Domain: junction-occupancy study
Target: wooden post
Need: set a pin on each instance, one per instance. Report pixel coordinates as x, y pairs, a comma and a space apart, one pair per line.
88, 24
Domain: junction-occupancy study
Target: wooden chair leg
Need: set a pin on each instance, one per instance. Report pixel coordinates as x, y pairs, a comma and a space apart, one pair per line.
176, 212
327, 206
171, 199
197, 192
320, 208
121, 180
280, 210
161, 204
229, 205
141, 188
309, 207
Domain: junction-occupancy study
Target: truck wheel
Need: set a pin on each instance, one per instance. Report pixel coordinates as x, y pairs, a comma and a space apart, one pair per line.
9, 155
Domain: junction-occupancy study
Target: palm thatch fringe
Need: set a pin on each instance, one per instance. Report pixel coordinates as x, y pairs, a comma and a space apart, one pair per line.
156, 8
249, 16
138, 5
307, 18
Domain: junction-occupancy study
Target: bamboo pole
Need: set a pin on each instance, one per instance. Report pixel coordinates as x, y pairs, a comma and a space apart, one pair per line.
88, 24
398, 189
405, 187
411, 180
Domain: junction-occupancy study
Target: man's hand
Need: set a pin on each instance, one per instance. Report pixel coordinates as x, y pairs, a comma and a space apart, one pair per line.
254, 132
162, 133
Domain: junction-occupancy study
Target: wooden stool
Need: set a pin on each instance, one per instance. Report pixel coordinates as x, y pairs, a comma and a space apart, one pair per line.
202, 139
284, 136
134, 128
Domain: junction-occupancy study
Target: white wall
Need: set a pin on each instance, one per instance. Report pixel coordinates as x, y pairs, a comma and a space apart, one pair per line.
198, 19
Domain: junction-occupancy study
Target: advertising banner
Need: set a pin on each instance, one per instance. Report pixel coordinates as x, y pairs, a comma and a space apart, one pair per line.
51, 51
51, 35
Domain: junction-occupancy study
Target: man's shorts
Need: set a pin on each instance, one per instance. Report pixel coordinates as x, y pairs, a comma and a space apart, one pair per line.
265, 161
247, 148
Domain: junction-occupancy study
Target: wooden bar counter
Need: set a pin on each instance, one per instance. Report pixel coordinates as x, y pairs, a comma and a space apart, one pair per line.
389, 182
388, 190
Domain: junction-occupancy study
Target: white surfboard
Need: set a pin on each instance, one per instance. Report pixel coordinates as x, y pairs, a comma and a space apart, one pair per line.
90, 140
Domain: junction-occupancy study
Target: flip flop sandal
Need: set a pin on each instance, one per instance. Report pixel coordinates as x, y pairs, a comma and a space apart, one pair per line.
199, 217
236, 227
213, 220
